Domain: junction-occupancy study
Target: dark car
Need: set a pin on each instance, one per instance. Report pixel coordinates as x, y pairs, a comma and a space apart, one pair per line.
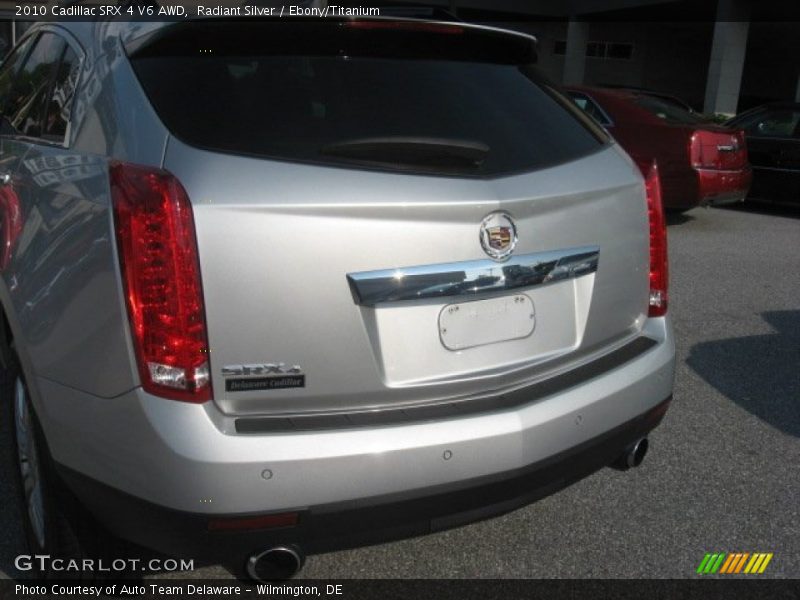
772, 133
700, 162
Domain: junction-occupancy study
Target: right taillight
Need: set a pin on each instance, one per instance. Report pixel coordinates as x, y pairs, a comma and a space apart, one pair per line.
161, 274
659, 271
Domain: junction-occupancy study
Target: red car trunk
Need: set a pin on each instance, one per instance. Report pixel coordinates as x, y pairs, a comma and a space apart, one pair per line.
699, 162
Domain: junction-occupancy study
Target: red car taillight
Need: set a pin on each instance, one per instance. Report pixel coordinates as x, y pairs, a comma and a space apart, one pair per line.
717, 151
161, 273
659, 271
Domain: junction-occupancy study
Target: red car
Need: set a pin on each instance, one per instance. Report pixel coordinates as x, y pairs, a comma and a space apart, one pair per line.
699, 162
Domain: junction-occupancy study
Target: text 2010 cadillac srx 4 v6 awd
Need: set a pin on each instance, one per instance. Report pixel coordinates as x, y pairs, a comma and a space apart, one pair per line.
272, 288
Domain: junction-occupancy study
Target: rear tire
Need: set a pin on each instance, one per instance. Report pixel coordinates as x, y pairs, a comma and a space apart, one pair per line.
54, 523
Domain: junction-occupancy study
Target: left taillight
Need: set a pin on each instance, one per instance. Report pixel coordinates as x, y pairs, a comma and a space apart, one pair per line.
717, 151
157, 249
659, 265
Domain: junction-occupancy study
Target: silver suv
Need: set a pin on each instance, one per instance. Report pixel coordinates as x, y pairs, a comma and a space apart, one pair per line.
272, 288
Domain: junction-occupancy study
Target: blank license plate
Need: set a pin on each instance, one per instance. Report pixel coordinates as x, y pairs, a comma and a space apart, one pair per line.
481, 322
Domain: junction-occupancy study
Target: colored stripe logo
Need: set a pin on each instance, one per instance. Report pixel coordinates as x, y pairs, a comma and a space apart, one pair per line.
735, 562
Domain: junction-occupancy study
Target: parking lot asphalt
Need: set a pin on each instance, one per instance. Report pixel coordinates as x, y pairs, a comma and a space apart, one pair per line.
723, 472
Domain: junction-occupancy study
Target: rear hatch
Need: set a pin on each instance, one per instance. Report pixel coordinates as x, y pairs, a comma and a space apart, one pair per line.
354, 186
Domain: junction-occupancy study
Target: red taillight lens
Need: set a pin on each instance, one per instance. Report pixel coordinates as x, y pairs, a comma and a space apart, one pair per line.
659, 271
717, 150
161, 273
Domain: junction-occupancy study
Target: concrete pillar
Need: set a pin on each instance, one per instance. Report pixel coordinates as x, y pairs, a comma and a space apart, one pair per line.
575, 59
727, 57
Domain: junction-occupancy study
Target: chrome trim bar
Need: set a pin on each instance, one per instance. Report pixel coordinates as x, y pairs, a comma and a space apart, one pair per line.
470, 278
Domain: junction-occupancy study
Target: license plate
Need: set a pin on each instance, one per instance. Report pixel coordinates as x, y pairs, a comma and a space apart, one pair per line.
482, 322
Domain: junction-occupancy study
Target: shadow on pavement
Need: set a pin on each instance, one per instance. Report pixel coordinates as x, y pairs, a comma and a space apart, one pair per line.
766, 208
760, 373
678, 218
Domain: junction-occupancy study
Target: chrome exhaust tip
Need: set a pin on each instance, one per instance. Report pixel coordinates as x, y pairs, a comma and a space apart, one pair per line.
633, 455
276, 564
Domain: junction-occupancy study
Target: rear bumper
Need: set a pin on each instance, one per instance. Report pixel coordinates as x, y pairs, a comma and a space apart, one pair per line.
687, 187
723, 187
154, 471
336, 526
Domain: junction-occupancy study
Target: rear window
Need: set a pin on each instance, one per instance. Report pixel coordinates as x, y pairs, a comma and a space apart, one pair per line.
771, 122
590, 107
666, 110
428, 101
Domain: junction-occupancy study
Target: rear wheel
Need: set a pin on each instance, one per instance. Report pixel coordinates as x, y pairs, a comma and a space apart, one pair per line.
54, 523
30, 469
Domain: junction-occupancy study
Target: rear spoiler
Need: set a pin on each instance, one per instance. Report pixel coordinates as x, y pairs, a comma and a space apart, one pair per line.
370, 36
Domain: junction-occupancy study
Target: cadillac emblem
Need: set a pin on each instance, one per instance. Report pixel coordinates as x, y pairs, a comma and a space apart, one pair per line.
498, 235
